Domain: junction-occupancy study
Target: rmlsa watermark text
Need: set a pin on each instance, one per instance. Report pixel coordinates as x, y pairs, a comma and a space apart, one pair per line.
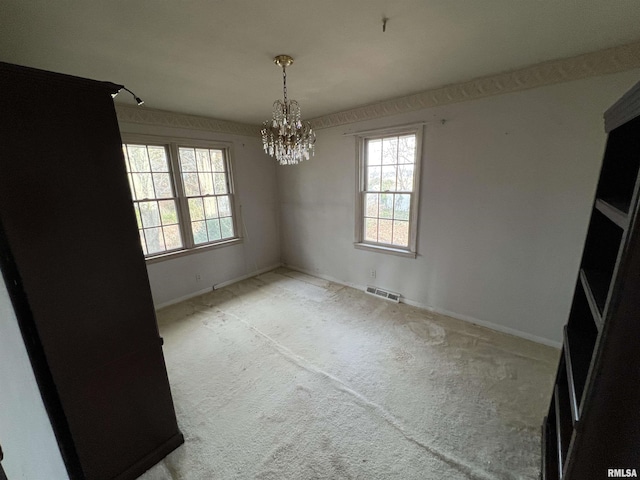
622, 473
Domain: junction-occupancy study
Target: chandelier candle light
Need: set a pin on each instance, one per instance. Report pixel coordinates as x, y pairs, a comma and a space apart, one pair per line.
285, 136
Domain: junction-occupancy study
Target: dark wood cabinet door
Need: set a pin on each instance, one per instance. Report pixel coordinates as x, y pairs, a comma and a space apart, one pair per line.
70, 228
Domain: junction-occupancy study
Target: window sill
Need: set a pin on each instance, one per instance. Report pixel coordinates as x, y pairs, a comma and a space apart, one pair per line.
381, 249
191, 251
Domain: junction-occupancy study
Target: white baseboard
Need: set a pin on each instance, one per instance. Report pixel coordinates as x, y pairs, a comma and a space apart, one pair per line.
464, 318
248, 275
216, 287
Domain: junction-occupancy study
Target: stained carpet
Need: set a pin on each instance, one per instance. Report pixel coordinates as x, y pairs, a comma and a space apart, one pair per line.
287, 376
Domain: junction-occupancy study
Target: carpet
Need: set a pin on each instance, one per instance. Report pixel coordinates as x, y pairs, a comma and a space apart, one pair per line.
287, 376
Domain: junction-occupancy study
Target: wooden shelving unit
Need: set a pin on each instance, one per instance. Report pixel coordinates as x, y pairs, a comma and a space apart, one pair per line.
593, 422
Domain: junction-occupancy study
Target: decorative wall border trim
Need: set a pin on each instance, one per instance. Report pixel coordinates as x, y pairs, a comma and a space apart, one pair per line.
150, 116
612, 60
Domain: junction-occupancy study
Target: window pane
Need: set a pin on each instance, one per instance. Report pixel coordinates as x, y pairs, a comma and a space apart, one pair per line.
388, 178
191, 184
226, 225
386, 205
220, 181
373, 179
371, 200
202, 160
138, 158
150, 214
158, 159
210, 207
371, 229
390, 151
196, 209
400, 233
143, 185
168, 212
402, 205
172, 237
155, 240
405, 178
133, 193
126, 157
143, 242
213, 227
217, 160
385, 230
407, 149
162, 184
136, 208
187, 159
206, 183
374, 152
224, 207
199, 232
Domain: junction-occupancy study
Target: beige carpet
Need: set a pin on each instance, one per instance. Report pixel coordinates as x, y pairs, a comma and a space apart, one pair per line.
286, 376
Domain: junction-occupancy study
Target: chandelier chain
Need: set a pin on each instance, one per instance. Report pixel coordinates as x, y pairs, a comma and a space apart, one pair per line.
284, 81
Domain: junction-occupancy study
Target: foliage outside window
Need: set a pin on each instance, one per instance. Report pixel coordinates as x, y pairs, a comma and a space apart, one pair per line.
388, 196
182, 195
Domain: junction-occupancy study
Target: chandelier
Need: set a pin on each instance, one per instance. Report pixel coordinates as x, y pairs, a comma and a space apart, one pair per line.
285, 136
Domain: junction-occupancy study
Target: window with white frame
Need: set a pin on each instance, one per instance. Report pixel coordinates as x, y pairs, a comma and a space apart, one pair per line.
389, 166
182, 194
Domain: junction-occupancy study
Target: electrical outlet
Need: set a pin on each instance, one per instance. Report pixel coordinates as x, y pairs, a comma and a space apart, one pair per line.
198, 277
372, 273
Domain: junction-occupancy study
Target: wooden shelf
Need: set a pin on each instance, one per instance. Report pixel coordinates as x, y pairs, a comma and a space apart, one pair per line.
578, 349
549, 469
593, 307
564, 424
613, 212
600, 255
551, 447
593, 420
620, 166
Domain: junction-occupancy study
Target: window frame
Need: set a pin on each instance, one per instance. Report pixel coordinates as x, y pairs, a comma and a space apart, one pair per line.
361, 175
172, 145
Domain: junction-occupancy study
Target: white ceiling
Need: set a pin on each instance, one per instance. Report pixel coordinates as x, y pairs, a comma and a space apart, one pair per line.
214, 58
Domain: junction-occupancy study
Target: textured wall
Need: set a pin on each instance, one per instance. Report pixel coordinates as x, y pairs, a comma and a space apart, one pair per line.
507, 186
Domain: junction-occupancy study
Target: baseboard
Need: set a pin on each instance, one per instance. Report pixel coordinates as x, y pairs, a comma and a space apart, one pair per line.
441, 311
216, 286
483, 323
151, 459
248, 275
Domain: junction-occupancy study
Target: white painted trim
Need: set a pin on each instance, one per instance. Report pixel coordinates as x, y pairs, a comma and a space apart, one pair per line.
182, 298
602, 62
465, 318
248, 275
216, 287
417, 129
150, 116
483, 323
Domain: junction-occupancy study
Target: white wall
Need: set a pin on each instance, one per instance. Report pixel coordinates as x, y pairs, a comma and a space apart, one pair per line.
507, 187
25, 429
255, 181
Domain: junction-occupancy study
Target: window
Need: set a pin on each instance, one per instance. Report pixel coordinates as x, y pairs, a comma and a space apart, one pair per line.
389, 173
182, 194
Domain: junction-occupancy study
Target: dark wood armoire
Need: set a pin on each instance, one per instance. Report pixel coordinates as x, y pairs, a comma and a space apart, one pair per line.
71, 258
592, 429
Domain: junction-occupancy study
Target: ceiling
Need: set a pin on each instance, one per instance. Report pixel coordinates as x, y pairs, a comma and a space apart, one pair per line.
214, 58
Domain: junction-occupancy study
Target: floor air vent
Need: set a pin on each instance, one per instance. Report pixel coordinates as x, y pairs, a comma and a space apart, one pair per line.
378, 292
